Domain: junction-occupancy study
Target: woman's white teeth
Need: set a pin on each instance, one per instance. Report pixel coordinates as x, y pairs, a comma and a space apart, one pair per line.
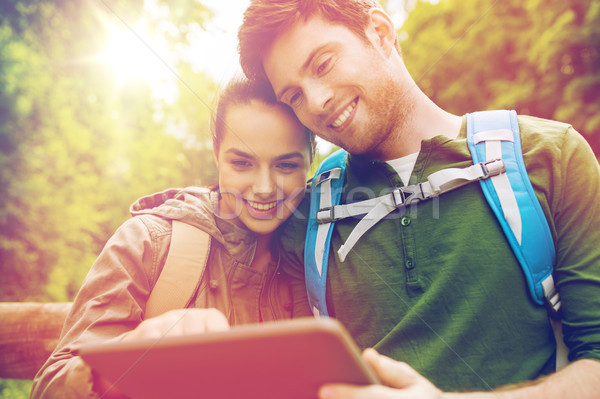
261, 206
344, 115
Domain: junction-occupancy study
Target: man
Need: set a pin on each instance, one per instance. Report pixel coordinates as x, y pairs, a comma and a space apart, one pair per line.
437, 287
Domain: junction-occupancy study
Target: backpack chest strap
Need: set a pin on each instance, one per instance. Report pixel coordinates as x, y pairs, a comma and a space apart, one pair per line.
376, 209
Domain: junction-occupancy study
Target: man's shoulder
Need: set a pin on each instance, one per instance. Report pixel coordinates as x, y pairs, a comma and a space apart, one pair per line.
533, 125
544, 137
550, 137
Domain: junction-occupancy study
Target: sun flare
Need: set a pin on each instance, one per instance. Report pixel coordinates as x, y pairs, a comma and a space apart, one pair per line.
133, 53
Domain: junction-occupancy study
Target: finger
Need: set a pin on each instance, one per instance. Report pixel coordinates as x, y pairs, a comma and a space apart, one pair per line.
216, 321
146, 329
168, 324
343, 391
390, 372
180, 322
196, 321
174, 325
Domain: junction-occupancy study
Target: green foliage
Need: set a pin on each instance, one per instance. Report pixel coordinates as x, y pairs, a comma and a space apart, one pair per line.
15, 389
77, 147
539, 57
189, 120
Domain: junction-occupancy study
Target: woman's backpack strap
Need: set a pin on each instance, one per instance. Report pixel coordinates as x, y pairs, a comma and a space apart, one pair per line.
183, 269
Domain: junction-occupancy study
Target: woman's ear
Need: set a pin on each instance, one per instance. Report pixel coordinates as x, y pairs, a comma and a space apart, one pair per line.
381, 32
215, 146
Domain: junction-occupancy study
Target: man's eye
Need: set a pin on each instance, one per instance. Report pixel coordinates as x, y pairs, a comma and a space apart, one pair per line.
287, 165
323, 66
295, 98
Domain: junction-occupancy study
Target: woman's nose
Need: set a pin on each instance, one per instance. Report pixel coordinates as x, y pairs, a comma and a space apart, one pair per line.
263, 183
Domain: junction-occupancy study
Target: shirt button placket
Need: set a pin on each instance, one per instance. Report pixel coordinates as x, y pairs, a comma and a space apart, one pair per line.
409, 249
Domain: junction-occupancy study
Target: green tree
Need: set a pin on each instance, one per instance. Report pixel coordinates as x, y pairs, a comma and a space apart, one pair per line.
74, 151
538, 57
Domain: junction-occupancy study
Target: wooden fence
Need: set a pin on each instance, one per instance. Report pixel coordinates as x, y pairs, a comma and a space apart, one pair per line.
29, 332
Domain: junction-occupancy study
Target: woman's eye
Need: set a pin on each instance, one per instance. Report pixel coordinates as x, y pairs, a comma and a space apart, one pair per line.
288, 166
240, 163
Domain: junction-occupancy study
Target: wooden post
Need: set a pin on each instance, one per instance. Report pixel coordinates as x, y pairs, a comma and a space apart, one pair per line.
29, 332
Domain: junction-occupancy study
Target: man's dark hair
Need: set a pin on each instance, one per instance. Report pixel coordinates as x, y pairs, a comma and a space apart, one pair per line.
265, 20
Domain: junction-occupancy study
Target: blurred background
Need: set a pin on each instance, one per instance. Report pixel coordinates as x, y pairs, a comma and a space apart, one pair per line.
103, 101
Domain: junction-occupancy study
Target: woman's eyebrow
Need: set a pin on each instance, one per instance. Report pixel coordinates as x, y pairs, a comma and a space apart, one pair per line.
289, 155
281, 157
239, 153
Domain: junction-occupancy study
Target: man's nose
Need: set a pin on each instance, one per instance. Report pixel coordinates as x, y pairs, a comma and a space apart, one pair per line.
318, 96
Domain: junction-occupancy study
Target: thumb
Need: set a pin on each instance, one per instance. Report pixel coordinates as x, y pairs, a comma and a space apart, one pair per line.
390, 372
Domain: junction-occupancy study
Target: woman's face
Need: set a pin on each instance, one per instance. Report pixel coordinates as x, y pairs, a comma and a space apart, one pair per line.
263, 160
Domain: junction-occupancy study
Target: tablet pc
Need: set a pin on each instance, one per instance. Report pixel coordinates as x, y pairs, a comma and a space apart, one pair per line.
285, 359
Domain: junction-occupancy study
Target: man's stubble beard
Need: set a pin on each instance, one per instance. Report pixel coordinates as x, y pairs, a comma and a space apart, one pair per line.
396, 116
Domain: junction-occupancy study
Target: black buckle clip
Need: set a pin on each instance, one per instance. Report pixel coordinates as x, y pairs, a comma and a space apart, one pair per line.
553, 307
407, 195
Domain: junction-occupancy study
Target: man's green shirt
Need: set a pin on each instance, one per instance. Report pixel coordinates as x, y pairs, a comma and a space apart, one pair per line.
437, 285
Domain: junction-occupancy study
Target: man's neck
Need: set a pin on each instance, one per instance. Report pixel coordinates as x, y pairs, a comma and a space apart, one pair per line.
426, 120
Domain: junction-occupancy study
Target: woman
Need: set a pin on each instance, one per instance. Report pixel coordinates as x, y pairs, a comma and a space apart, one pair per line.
263, 155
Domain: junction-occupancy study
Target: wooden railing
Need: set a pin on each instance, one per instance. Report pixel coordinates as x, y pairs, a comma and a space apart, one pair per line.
29, 332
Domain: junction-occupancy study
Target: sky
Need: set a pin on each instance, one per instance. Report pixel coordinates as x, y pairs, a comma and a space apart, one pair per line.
220, 39
135, 51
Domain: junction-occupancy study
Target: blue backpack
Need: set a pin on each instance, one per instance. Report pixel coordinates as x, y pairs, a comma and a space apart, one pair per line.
494, 141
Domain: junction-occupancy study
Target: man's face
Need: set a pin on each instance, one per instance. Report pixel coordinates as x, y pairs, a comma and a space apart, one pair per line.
338, 84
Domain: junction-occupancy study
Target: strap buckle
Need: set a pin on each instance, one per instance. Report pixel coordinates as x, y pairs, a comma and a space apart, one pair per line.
328, 175
407, 195
553, 306
326, 215
493, 167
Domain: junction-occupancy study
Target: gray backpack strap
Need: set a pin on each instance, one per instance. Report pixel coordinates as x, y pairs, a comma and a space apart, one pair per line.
437, 183
184, 267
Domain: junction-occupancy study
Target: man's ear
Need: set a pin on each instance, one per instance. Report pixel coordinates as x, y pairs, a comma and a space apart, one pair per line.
380, 31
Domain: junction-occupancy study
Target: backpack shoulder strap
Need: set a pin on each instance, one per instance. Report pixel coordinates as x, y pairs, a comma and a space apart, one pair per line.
182, 271
326, 191
494, 135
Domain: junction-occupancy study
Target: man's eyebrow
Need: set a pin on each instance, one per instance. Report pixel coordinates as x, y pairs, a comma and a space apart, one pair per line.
304, 67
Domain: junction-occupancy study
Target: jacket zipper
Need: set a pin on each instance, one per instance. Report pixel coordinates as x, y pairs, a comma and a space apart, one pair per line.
271, 291
228, 278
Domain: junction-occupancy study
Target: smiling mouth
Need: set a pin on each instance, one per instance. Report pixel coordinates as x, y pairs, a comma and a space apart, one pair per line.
344, 115
263, 206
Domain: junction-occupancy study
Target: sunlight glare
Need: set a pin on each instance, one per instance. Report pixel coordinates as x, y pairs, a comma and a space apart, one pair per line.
133, 54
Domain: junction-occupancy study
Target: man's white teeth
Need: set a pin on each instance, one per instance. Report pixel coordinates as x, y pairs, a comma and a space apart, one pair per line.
344, 115
262, 206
